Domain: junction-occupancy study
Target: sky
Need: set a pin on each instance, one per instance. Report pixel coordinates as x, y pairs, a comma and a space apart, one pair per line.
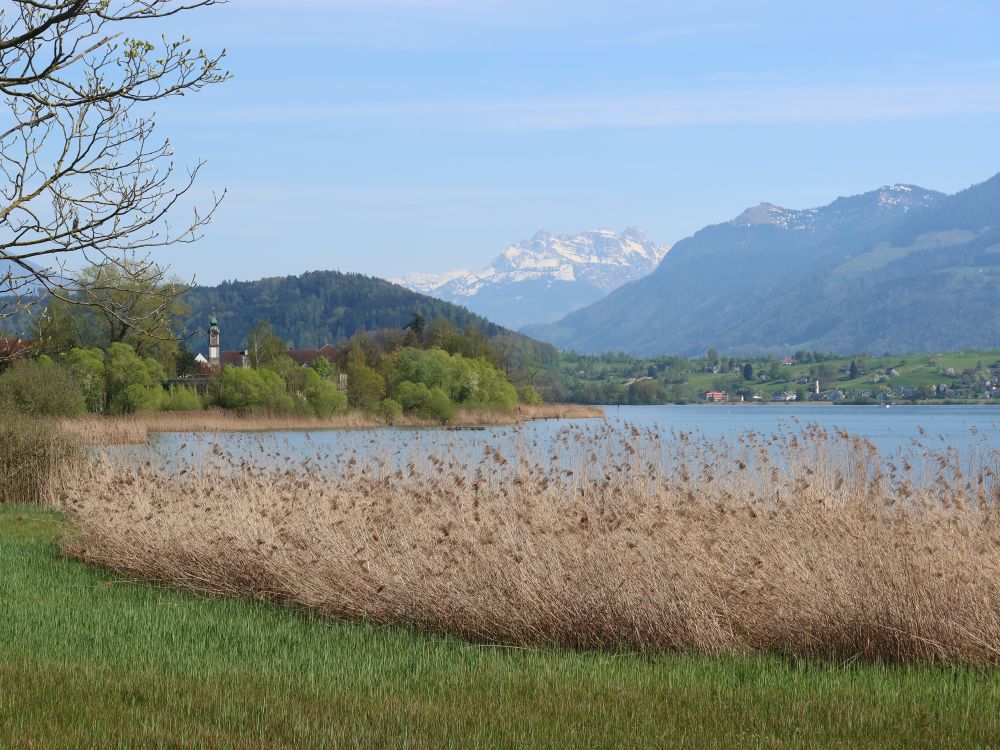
395, 136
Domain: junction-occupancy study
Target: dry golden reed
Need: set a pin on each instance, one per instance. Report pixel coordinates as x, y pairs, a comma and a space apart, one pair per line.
33, 456
98, 430
809, 544
134, 429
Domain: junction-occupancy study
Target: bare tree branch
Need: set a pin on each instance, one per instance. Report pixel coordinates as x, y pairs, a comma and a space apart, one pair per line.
83, 178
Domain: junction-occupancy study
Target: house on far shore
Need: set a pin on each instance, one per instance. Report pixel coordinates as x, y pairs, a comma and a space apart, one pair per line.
306, 356
784, 396
716, 397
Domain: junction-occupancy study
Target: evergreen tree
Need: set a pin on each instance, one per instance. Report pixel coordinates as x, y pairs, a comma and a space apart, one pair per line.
416, 325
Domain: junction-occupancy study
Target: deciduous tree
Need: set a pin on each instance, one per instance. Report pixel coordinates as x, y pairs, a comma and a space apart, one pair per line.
84, 177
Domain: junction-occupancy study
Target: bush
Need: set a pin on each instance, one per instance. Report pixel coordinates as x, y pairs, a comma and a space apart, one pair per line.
245, 391
240, 389
87, 368
439, 406
322, 367
530, 395
134, 383
365, 387
274, 397
474, 383
412, 396
428, 366
325, 398
391, 410
136, 398
181, 398
32, 454
41, 388
492, 391
430, 403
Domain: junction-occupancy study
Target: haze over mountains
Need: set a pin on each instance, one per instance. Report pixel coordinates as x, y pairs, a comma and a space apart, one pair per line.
900, 269
542, 279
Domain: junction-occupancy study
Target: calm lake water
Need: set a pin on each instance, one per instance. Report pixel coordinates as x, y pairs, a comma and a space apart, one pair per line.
910, 430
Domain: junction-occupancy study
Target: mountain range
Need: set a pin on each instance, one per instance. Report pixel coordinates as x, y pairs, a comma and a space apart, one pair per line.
899, 269
542, 279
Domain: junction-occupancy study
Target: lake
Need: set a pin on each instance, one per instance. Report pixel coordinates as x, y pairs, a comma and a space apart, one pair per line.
908, 430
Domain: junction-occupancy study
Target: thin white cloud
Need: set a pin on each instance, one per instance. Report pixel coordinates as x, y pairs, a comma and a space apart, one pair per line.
743, 105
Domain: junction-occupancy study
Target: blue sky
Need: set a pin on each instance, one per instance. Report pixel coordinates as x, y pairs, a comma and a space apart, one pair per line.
389, 136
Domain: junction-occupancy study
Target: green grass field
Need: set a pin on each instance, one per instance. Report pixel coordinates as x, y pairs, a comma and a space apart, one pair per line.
92, 661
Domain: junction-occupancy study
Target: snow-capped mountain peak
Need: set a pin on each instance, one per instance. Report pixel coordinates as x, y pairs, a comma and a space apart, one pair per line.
601, 257
425, 283
593, 262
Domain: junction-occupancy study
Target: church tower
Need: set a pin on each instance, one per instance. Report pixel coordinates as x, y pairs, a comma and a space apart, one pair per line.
214, 353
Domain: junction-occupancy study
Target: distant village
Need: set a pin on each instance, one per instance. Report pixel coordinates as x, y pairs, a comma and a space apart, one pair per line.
969, 384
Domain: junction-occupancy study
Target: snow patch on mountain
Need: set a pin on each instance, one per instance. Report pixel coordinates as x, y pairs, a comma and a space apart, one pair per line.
601, 258
888, 199
425, 283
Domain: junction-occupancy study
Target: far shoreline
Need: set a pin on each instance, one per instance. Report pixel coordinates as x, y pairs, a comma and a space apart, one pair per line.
135, 429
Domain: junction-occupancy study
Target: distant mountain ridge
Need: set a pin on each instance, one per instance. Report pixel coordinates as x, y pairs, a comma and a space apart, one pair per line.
886, 203
900, 269
543, 278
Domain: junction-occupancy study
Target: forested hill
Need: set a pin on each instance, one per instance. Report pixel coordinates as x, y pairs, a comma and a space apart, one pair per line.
317, 308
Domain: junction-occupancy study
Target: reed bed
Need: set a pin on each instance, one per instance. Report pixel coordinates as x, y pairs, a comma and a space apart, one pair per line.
134, 429
808, 544
99, 430
33, 459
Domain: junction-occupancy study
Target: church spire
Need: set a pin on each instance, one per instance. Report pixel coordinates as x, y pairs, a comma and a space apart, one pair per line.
214, 352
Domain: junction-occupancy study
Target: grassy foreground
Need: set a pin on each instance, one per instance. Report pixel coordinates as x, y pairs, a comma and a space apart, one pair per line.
89, 660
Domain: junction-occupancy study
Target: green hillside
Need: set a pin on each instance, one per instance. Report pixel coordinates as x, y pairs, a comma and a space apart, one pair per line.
898, 269
318, 308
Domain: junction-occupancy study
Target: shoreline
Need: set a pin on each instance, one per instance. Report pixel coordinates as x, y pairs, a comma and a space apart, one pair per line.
135, 429
794, 404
